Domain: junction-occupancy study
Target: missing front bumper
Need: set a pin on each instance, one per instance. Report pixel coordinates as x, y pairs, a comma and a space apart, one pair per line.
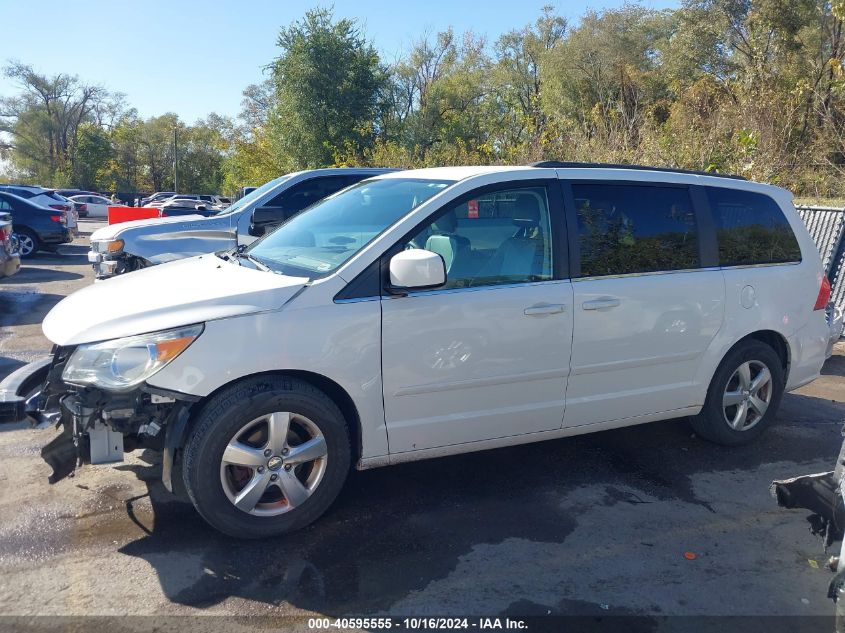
19, 393
96, 425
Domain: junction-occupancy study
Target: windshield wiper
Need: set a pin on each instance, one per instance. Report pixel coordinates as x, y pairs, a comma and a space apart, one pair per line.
258, 263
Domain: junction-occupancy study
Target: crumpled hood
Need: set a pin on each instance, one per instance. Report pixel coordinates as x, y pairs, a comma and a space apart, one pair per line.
184, 292
113, 231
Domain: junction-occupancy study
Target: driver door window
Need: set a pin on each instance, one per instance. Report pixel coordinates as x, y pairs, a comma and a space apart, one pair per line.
501, 237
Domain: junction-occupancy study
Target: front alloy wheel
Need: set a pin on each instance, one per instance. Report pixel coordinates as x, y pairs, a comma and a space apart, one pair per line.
273, 464
266, 456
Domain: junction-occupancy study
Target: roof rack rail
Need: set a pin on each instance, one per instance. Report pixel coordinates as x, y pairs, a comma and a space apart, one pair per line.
564, 164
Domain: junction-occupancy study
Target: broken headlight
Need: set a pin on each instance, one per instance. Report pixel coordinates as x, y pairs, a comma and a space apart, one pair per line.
123, 363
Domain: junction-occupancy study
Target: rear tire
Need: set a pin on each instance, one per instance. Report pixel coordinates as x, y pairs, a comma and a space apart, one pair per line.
743, 397
28, 243
266, 456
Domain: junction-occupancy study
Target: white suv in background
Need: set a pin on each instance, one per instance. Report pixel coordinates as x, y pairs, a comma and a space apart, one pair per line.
435, 312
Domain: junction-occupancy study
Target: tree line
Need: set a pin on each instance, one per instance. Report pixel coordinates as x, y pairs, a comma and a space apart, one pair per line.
752, 87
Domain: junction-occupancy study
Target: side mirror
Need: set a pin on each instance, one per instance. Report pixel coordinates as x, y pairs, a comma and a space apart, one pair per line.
264, 218
201, 207
416, 269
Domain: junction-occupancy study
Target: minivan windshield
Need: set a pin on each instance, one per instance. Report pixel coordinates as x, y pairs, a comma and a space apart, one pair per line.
320, 239
253, 195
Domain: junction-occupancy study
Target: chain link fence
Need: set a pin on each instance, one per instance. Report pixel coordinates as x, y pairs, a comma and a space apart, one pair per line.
827, 227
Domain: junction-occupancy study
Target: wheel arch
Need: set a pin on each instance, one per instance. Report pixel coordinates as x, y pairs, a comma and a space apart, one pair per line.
776, 341
332, 389
17, 228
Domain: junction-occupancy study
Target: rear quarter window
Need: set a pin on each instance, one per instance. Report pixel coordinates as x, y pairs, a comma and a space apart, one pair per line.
751, 229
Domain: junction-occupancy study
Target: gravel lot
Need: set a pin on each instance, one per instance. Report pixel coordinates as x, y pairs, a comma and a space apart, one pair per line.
596, 524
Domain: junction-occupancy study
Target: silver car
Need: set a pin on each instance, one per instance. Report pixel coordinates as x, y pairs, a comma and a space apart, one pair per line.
128, 246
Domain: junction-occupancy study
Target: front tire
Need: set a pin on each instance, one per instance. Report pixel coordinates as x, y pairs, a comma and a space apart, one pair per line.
266, 456
743, 397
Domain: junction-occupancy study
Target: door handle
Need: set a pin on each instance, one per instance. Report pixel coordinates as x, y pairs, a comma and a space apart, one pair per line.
600, 304
544, 308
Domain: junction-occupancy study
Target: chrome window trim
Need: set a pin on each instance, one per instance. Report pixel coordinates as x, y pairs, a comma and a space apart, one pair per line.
443, 291
685, 270
646, 274
764, 265
357, 299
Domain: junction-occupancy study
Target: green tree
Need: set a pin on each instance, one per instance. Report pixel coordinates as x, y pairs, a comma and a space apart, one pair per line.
94, 152
328, 80
519, 82
45, 119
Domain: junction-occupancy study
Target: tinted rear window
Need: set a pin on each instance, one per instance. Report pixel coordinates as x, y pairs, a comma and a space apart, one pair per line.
751, 229
625, 229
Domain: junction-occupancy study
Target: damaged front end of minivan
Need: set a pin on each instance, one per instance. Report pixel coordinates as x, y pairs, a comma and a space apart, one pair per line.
823, 494
98, 425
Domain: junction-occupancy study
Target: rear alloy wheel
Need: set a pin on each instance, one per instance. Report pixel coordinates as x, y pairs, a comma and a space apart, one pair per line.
28, 242
266, 456
747, 395
744, 395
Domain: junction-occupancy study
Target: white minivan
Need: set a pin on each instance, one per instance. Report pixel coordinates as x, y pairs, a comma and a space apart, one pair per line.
434, 312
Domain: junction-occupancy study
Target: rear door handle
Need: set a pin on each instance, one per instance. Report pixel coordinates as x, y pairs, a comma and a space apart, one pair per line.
599, 304
544, 308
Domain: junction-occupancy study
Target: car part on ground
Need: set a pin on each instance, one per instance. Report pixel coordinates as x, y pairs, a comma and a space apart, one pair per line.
823, 494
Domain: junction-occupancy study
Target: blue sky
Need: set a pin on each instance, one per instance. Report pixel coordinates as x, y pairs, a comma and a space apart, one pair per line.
193, 57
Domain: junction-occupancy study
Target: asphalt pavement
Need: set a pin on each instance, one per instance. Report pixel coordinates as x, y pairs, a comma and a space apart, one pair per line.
649, 520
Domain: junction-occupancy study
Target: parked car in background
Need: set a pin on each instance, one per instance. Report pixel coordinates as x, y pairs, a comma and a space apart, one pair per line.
436, 312
10, 259
78, 210
187, 206
222, 201
243, 192
128, 246
198, 197
35, 227
39, 195
69, 193
156, 197
97, 206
